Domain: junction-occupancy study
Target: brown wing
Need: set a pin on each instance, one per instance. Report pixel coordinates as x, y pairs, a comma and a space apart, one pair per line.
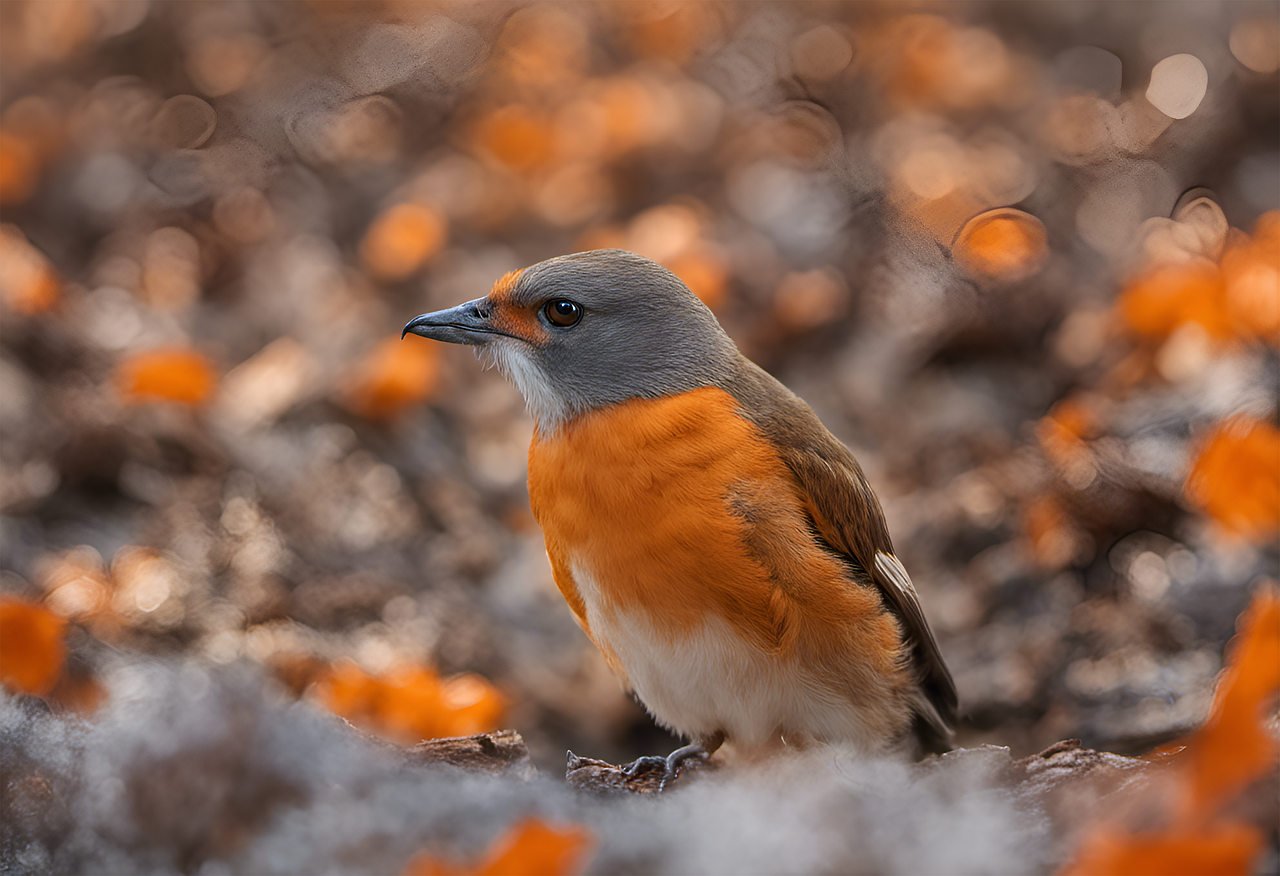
847, 514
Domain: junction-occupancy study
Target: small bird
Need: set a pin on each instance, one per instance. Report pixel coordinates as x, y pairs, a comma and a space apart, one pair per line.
720, 547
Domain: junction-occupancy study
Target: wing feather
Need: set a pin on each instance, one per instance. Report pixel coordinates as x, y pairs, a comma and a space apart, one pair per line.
847, 514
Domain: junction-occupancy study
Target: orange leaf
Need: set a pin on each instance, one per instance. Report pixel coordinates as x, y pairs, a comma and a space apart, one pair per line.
1235, 747
410, 707
1221, 849
1236, 477
349, 692
28, 283
402, 240
31, 648
395, 375
471, 705
176, 374
1157, 302
412, 703
1252, 276
533, 846
530, 848
1004, 245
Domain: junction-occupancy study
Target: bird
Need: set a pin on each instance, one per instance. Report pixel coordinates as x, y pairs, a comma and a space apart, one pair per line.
722, 549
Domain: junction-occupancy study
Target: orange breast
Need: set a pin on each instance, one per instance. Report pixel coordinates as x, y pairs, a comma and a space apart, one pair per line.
679, 508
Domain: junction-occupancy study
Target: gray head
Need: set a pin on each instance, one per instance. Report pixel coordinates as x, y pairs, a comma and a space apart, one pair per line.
582, 331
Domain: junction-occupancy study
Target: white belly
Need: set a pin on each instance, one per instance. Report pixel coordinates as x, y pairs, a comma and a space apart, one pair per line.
714, 680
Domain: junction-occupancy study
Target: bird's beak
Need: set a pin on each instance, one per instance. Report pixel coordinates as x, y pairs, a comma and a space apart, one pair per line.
468, 323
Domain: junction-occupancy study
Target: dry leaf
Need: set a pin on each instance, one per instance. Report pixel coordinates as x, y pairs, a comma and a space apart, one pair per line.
174, 374
530, 848
1160, 300
412, 703
1233, 749
1220, 850
1251, 272
1235, 746
31, 647
1236, 477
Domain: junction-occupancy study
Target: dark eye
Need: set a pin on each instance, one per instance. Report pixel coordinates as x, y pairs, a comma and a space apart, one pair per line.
562, 312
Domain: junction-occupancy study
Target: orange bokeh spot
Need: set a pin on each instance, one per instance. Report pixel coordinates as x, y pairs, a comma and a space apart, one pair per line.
1251, 274
543, 47
19, 169
1236, 477
925, 60
1224, 849
402, 240
1231, 751
1159, 301
628, 113
674, 33
31, 647
529, 847
28, 283
1050, 531
395, 375
412, 703
176, 374
31, 136
704, 273
917, 47
1072, 418
517, 136
808, 299
1004, 245
1063, 430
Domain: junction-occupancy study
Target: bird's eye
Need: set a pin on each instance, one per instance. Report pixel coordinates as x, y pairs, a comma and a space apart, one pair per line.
562, 312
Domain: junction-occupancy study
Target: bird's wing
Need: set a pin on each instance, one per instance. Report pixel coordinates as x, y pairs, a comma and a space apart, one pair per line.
847, 515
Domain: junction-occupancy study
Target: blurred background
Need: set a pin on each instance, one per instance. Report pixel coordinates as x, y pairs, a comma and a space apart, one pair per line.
969, 235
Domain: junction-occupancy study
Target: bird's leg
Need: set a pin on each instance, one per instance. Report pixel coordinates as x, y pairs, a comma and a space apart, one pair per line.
671, 763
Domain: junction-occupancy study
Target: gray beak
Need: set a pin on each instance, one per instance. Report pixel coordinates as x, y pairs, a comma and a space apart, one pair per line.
465, 324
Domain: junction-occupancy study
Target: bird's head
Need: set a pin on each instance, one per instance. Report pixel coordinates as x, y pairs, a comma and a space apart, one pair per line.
582, 331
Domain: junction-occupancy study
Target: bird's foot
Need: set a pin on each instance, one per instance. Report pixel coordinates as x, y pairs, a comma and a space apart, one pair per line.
669, 765
644, 775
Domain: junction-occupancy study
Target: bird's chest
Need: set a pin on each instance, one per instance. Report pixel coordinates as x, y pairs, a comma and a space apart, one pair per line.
680, 541
634, 501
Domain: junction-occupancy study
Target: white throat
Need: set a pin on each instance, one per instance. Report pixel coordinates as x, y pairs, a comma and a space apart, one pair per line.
545, 404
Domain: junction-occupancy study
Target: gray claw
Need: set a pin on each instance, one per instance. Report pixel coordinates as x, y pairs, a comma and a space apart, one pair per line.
673, 761
644, 763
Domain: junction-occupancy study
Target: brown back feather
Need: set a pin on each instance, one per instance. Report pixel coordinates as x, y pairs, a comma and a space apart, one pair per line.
847, 514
